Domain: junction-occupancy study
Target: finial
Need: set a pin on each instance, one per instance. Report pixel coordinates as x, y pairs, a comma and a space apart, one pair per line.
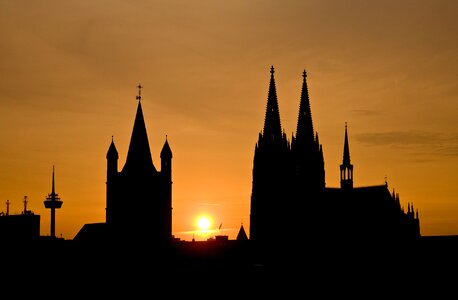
345, 125
272, 70
139, 97
304, 74
165, 137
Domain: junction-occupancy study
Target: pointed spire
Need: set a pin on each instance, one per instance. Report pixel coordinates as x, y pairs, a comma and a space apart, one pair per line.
139, 153
272, 126
346, 152
112, 153
166, 152
304, 129
346, 168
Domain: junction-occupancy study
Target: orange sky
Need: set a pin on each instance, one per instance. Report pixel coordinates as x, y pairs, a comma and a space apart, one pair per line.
69, 71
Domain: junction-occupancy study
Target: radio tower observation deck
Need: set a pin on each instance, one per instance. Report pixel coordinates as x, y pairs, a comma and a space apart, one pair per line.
53, 201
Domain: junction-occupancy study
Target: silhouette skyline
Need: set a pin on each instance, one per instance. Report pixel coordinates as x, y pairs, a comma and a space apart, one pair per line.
387, 69
364, 229
289, 187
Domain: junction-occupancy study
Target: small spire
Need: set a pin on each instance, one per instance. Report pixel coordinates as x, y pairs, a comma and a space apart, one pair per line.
304, 74
346, 153
139, 96
272, 70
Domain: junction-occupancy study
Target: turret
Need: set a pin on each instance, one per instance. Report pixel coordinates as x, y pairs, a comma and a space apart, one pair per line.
112, 159
112, 172
166, 171
346, 168
166, 159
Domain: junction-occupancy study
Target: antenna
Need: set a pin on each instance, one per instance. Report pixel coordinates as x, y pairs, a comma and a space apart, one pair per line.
25, 205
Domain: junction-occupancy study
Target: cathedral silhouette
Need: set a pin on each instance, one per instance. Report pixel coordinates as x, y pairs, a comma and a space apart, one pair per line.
289, 187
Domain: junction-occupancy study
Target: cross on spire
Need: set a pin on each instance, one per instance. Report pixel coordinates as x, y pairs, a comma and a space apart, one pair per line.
272, 70
139, 97
304, 74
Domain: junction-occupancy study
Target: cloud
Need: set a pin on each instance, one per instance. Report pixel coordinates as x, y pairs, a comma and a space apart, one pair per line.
416, 142
365, 112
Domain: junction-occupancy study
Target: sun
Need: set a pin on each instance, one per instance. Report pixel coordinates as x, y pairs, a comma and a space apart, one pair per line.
203, 222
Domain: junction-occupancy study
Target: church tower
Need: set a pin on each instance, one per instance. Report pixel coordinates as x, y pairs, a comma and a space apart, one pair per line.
139, 197
346, 168
307, 150
271, 175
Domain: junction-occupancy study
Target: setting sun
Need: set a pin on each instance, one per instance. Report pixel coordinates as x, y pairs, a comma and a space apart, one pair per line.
203, 222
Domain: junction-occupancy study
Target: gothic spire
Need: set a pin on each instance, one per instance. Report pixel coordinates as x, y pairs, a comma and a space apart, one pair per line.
139, 154
346, 168
346, 152
304, 131
272, 126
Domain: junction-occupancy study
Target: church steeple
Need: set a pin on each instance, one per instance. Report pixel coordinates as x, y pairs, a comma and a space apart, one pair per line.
139, 154
272, 125
304, 131
346, 168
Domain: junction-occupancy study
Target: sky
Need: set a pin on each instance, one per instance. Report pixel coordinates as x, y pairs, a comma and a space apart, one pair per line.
69, 71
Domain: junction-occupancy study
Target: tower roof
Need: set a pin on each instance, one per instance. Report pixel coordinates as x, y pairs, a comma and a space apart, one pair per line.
166, 152
304, 131
112, 152
346, 151
272, 126
139, 154
242, 236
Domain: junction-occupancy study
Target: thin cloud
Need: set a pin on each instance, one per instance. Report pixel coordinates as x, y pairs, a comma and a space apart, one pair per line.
365, 112
416, 142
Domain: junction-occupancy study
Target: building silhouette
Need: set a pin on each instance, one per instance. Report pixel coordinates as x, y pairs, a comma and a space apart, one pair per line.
138, 197
290, 200
24, 226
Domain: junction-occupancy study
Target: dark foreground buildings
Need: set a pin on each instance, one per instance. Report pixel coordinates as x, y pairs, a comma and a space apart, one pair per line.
304, 237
